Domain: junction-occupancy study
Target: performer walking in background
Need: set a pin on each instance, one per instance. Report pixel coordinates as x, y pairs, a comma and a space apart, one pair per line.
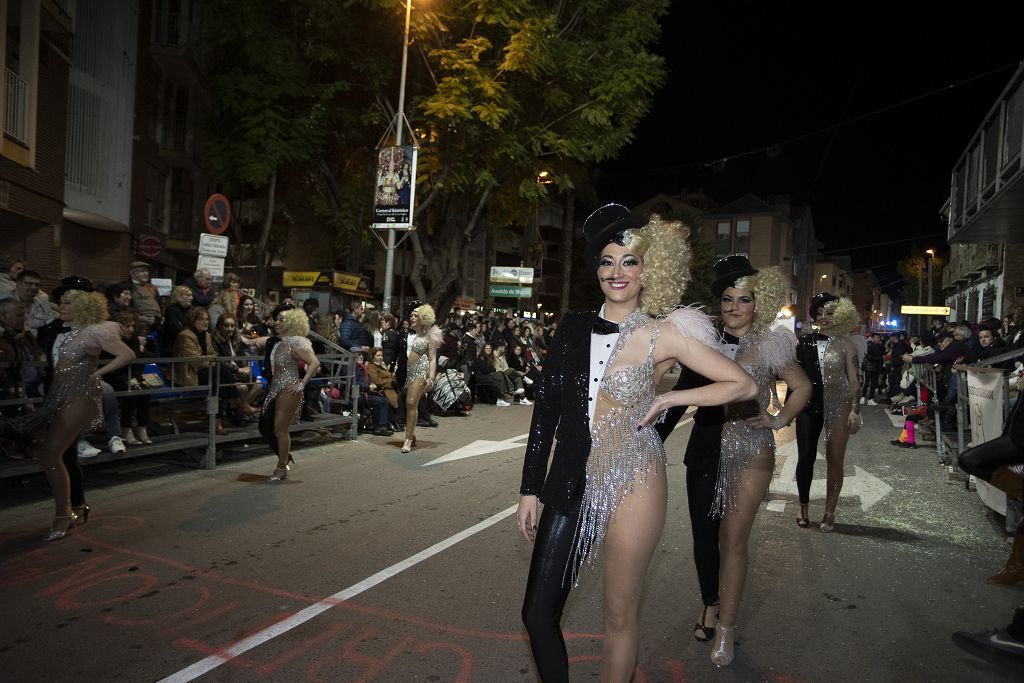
830, 360
607, 484
422, 367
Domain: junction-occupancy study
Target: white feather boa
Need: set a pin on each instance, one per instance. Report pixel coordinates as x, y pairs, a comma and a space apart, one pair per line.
776, 349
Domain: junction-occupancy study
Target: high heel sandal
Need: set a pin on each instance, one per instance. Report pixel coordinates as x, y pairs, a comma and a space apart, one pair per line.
828, 522
722, 655
802, 521
409, 445
58, 530
699, 629
82, 513
281, 473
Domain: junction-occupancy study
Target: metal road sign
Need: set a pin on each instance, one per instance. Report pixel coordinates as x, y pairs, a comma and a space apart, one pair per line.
213, 245
512, 291
511, 275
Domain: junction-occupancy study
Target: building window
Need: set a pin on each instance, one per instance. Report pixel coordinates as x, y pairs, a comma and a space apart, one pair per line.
723, 239
742, 245
988, 302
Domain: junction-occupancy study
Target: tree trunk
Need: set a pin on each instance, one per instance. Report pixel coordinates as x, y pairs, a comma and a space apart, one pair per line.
568, 218
261, 256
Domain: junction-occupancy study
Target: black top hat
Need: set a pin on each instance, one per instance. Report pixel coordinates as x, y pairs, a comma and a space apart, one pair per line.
819, 300
728, 270
70, 282
607, 225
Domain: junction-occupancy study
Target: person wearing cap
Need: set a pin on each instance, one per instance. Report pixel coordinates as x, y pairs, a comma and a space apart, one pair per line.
606, 486
73, 397
830, 359
730, 456
145, 299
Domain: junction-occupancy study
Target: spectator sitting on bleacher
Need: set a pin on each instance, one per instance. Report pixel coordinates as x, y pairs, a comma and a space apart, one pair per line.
38, 311
22, 348
10, 266
383, 382
119, 298
194, 342
369, 394
226, 302
518, 363
993, 345
177, 317
201, 285
133, 408
237, 389
145, 299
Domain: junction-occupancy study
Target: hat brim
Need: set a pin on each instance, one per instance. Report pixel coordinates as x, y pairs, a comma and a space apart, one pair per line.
603, 237
58, 292
724, 282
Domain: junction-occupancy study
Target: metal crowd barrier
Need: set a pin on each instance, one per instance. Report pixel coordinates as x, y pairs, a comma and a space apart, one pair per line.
337, 369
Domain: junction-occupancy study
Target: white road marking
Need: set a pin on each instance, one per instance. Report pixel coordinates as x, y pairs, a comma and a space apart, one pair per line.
776, 505
869, 488
227, 654
480, 447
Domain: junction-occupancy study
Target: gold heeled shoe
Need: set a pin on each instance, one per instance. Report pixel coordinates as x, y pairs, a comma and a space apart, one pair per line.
61, 527
82, 513
722, 655
409, 445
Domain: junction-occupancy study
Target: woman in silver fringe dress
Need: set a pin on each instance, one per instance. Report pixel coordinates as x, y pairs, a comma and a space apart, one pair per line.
283, 402
607, 486
749, 302
419, 377
73, 399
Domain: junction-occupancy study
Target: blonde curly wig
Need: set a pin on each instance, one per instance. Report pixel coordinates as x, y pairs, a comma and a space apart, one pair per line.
294, 323
665, 251
844, 317
87, 308
769, 290
427, 315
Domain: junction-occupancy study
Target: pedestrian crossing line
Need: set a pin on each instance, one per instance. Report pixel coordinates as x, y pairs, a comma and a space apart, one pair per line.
230, 652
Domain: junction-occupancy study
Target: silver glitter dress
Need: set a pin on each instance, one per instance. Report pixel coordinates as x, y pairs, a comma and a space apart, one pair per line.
420, 345
621, 456
838, 399
75, 359
286, 368
763, 357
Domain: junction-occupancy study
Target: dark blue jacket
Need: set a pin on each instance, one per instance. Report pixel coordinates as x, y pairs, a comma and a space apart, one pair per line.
350, 332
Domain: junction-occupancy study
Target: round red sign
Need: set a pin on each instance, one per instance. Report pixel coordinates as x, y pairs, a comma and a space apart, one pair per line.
149, 246
217, 214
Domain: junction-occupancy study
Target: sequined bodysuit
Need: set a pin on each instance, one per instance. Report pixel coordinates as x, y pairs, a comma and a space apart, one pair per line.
75, 360
838, 400
421, 365
763, 356
620, 455
286, 368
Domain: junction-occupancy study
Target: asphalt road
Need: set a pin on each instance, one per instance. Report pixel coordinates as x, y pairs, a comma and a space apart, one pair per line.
371, 565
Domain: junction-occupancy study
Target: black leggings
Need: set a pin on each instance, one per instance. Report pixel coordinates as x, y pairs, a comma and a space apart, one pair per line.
808, 430
547, 589
984, 459
266, 424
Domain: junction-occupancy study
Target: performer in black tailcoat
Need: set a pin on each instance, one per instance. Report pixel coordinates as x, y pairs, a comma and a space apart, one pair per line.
606, 487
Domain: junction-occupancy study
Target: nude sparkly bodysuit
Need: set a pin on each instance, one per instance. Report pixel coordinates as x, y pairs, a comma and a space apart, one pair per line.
419, 368
285, 369
838, 400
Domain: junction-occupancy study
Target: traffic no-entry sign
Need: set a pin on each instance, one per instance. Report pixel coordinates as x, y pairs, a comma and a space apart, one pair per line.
217, 214
149, 246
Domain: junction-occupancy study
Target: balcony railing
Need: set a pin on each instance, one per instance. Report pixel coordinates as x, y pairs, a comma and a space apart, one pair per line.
15, 107
993, 160
969, 261
169, 29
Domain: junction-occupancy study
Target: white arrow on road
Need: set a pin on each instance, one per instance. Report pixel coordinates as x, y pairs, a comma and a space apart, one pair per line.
481, 447
869, 488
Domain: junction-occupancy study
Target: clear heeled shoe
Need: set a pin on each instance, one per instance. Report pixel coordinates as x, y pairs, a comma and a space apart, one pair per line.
828, 523
281, 473
61, 527
82, 513
409, 445
722, 655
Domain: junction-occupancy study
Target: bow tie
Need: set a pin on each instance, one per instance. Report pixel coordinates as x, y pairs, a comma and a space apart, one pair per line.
602, 326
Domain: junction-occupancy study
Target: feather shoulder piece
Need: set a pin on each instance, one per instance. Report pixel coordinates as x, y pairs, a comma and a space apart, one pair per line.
859, 345
435, 335
776, 349
694, 323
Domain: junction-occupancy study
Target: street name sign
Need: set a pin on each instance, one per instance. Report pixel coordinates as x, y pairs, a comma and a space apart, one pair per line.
924, 310
511, 275
512, 291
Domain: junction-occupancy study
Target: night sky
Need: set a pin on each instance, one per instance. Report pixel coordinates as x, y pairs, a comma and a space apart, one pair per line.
743, 77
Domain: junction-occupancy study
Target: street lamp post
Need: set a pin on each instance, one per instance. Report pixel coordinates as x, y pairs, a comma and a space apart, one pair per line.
389, 269
931, 257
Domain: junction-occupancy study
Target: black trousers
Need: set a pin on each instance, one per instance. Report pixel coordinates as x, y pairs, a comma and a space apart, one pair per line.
808, 430
700, 495
547, 589
266, 424
872, 382
984, 459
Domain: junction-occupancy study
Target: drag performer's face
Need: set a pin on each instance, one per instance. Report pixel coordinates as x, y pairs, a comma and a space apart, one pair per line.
737, 310
619, 271
414, 321
824, 319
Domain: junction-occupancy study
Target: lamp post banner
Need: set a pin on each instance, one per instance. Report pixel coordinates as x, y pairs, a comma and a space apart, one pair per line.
395, 190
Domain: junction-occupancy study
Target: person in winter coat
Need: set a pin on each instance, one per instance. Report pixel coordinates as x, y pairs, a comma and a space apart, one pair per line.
872, 367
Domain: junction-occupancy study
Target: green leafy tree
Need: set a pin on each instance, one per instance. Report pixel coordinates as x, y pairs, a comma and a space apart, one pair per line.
510, 88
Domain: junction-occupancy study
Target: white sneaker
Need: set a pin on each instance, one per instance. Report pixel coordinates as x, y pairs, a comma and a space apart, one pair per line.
527, 381
525, 402
116, 445
871, 402
520, 391
862, 400
129, 438
502, 404
86, 449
